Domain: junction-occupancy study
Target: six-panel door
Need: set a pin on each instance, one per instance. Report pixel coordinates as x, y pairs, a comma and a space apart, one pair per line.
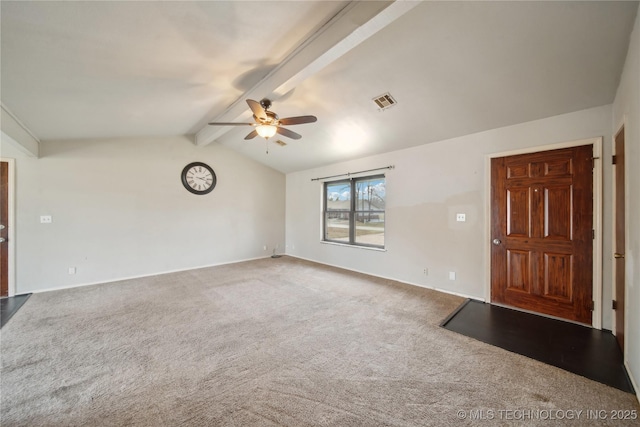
542, 222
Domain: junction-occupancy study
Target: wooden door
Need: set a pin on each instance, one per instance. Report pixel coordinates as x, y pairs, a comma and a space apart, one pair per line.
542, 232
619, 244
4, 218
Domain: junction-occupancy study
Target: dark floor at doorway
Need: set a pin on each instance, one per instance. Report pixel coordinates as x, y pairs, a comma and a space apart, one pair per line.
9, 306
585, 351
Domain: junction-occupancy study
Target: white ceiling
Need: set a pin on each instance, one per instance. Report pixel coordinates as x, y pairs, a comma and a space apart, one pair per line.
75, 70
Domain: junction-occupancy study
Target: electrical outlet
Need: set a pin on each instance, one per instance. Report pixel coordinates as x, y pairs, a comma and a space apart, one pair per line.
425, 271
452, 275
45, 219
461, 217
72, 270
264, 248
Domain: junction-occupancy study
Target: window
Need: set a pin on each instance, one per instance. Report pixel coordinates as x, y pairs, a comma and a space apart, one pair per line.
354, 211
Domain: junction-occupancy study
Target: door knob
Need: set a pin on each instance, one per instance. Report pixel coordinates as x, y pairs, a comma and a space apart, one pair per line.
1, 226
496, 242
617, 255
2, 240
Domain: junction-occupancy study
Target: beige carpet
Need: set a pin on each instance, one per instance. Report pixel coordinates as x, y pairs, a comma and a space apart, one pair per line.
271, 342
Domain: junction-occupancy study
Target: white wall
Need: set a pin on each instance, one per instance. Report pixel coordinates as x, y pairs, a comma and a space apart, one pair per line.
119, 210
429, 185
627, 107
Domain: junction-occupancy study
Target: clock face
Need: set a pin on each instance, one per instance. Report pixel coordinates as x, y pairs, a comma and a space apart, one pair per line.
198, 178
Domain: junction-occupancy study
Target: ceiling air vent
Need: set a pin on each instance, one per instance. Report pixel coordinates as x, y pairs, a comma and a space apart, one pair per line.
280, 142
384, 101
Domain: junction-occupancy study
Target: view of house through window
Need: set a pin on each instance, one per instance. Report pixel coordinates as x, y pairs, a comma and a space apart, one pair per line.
354, 211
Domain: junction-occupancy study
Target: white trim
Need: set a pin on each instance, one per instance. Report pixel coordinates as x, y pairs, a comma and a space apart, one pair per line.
251, 259
596, 317
487, 227
11, 224
598, 169
433, 288
614, 326
613, 236
141, 276
630, 376
348, 245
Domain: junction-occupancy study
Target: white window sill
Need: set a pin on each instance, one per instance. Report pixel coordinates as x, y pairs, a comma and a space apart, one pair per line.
370, 248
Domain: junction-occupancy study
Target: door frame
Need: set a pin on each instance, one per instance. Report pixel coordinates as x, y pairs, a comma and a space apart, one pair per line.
596, 316
614, 326
11, 225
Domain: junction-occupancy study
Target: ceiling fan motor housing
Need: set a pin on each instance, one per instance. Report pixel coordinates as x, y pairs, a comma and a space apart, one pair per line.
265, 103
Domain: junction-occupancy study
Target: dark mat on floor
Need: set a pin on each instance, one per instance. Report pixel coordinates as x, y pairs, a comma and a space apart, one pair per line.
9, 306
579, 349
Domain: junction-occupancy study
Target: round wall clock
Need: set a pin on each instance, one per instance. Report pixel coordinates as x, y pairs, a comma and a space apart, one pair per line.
198, 178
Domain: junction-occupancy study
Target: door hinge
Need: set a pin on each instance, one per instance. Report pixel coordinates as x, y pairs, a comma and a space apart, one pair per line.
614, 159
593, 234
614, 304
592, 306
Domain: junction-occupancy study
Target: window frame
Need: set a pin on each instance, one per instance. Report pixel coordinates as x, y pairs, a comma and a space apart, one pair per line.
353, 212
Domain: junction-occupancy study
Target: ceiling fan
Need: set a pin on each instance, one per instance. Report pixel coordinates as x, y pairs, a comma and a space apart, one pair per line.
267, 122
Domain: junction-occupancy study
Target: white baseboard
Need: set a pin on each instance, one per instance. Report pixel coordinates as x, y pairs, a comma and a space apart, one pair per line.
118, 279
390, 278
634, 383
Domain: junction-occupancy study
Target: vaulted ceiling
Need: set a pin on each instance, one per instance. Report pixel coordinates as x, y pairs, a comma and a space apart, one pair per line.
86, 70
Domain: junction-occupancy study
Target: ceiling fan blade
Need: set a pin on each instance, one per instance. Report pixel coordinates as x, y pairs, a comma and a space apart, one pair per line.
257, 109
298, 120
251, 135
289, 134
230, 124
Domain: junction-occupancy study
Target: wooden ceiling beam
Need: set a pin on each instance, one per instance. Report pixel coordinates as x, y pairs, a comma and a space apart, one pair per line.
355, 23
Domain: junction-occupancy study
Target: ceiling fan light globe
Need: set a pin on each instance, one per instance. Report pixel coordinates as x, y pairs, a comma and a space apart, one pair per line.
266, 131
